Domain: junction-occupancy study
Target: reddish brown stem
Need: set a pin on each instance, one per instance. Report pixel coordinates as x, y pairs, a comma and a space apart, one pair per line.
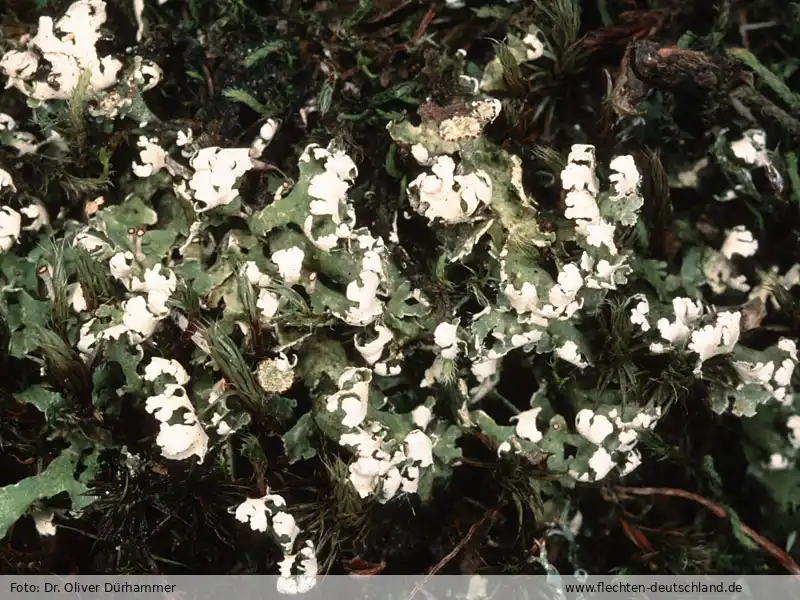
742, 17
427, 18
782, 557
489, 514
388, 13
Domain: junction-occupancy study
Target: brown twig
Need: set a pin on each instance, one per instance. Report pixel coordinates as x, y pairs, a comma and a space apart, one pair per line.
782, 557
489, 514
426, 20
635, 24
391, 11
742, 17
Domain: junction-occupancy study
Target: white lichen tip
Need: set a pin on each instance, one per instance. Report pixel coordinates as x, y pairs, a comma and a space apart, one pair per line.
739, 241
534, 46
448, 196
446, 338
10, 227
526, 425
182, 436
752, 148
687, 313
153, 157
568, 351
593, 427
419, 448
421, 416
43, 519
638, 314
6, 181
352, 397
290, 263
253, 511
373, 350
601, 463
163, 366
216, 173
298, 572
625, 177
713, 340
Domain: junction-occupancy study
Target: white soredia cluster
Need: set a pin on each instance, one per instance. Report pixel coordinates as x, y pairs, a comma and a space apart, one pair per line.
383, 466
142, 312
10, 219
580, 182
298, 571
544, 311
444, 195
216, 173
446, 342
181, 434
772, 378
686, 332
373, 351
614, 440
450, 193
30, 218
718, 266
63, 54
65, 57
267, 302
364, 292
331, 217
763, 376
211, 181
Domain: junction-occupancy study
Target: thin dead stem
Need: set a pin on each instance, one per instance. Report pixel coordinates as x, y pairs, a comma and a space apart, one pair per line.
622, 492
